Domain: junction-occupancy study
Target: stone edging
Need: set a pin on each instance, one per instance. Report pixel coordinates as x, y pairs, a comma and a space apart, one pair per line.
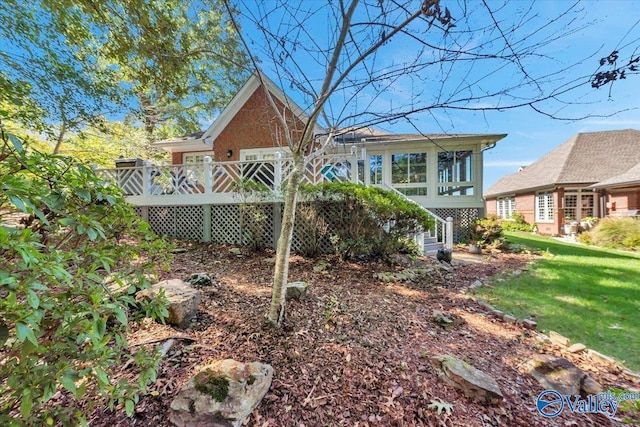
555, 338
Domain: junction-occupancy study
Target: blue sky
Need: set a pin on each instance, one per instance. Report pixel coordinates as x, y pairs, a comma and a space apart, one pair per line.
596, 29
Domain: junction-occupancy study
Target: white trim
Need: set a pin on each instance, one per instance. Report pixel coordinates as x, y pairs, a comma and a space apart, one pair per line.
262, 152
194, 154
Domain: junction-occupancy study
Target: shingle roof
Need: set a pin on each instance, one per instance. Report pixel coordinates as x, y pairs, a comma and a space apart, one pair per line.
585, 158
630, 177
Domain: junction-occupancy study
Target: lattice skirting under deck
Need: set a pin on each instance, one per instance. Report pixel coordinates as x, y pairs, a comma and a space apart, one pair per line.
258, 224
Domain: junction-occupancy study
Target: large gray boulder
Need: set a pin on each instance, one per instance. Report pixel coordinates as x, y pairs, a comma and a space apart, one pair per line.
473, 383
183, 300
557, 373
221, 394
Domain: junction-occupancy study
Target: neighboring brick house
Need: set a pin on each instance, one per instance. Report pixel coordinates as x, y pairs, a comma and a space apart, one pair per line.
593, 174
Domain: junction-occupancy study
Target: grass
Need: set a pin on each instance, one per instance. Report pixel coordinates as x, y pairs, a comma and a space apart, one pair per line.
590, 295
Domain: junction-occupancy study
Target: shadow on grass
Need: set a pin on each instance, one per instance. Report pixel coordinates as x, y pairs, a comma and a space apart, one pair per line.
590, 295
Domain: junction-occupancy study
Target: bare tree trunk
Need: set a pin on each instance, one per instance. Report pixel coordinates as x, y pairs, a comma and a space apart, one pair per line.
281, 273
63, 131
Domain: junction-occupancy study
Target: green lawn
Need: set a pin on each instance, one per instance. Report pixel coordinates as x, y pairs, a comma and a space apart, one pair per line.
588, 294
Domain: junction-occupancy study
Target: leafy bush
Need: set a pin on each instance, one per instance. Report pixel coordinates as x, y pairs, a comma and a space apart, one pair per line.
517, 223
367, 221
62, 321
487, 232
620, 232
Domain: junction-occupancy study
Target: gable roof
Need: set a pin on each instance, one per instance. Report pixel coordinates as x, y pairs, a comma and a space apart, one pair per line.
585, 158
204, 140
630, 177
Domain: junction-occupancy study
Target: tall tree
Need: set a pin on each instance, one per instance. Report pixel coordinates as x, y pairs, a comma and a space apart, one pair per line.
171, 65
373, 62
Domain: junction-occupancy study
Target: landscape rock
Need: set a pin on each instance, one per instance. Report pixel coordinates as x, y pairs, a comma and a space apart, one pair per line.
297, 290
476, 284
221, 394
485, 305
200, 279
473, 383
321, 266
237, 252
599, 357
447, 320
529, 324
559, 374
406, 275
183, 300
558, 339
509, 318
577, 348
499, 314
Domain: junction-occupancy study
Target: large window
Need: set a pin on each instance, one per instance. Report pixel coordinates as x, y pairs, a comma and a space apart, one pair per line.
544, 206
578, 205
455, 173
506, 207
409, 173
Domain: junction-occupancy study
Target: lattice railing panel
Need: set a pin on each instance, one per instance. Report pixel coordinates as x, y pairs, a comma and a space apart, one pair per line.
162, 220
225, 224
177, 179
130, 180
330, 168
190, 222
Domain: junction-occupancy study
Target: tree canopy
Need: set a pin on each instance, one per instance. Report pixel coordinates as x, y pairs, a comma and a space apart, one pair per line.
69, 65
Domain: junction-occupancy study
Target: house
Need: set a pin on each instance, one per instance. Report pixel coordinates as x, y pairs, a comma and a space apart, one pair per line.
442, 173
593, 174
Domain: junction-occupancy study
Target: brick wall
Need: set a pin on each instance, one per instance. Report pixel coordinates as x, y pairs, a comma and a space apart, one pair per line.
624, 199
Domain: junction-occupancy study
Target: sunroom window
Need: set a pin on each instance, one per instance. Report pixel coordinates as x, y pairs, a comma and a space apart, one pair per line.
455, 173
409, 173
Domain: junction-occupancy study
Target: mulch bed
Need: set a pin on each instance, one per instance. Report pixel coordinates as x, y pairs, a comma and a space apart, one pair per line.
356, 351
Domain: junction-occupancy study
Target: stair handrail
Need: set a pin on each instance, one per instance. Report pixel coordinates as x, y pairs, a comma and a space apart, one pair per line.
447, 224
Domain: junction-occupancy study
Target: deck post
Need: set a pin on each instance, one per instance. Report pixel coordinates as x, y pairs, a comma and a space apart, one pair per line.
449, 233
146, 177
277, 174
208, 177
354, 164
206, 223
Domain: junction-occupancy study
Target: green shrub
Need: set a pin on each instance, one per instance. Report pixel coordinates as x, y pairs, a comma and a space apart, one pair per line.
517, 223
61, 327
366, 221
617, 232
487, 232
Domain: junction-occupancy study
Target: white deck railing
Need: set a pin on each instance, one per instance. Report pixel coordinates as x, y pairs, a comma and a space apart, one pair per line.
227, 177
